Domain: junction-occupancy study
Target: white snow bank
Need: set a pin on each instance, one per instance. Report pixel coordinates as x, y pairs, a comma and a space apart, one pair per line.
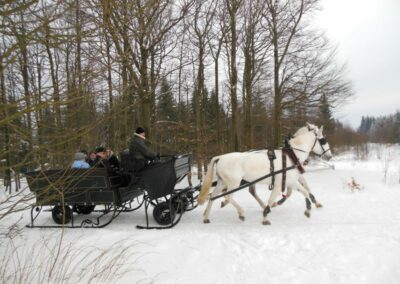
354, 238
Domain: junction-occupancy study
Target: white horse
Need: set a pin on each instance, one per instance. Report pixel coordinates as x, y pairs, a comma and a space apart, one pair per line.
302, 180
232, 168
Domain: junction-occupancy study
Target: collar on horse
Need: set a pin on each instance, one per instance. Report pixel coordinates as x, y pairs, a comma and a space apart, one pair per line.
288, 150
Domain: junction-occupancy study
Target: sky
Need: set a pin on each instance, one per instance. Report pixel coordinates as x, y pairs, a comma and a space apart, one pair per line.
367, 34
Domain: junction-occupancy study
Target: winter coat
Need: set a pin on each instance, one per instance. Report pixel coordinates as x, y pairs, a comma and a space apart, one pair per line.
139, 150
114, 163
99, 162
80, 164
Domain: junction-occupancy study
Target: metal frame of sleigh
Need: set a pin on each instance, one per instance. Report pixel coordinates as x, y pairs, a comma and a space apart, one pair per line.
100, 196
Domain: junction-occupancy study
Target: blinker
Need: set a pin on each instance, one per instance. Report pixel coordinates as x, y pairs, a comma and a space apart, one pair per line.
322, 141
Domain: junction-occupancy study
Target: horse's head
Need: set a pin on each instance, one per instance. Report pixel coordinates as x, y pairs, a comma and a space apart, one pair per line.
321, 146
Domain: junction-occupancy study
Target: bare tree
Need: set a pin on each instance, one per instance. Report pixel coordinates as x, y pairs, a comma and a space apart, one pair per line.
255, 48
233, 7
216, 40
303, 68
200, 27
139, 30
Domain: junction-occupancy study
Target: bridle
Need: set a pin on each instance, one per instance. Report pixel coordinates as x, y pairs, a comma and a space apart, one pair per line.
322, 141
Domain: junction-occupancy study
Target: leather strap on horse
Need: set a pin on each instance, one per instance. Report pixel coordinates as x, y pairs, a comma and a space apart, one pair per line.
247, 184
293, 157
271, 158
283, 169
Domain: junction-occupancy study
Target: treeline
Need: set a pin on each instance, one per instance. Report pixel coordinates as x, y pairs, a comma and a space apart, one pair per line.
383, 129
206, 77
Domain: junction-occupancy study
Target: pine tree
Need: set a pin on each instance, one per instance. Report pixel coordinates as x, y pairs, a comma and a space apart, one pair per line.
326, 118
166, 104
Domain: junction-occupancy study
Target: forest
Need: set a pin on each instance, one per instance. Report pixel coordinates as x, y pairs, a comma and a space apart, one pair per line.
205, 77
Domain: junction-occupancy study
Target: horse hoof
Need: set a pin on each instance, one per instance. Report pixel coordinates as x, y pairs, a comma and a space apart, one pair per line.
266, 222
308, 214
206, 221
241, 218
222, 204
318, 205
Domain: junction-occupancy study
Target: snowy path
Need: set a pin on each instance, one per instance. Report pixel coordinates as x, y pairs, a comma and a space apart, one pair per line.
354, 238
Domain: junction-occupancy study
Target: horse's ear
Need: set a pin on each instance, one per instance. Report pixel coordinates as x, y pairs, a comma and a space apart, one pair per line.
308, 126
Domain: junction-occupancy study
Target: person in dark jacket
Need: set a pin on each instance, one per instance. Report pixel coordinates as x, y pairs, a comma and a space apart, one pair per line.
101, 160
91, 158
139, 150
112, 159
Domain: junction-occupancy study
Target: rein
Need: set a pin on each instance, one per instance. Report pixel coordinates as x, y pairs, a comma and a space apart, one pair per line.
286, 151
246, 184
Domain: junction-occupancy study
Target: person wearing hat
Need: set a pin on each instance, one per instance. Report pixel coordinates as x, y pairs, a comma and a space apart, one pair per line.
139, 151
101, 160
79, 161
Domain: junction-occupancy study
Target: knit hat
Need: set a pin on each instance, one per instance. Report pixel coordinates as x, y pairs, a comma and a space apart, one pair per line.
99, 149
139, 130
79, 156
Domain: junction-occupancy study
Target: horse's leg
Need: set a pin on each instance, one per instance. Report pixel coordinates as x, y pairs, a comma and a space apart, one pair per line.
226, 201
284, 197
252, 190
274, 194
237, 206
304, 183
218, 189
301, 189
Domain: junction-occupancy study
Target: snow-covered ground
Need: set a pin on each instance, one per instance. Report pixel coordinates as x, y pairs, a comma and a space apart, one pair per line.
354, 238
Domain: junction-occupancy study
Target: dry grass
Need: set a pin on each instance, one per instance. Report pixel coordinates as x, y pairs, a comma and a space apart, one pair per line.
25, 257
39, 263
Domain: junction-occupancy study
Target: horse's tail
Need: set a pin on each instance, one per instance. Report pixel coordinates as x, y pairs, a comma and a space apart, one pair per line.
205, 189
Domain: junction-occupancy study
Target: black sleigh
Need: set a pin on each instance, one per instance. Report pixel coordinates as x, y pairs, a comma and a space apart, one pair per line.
93, 198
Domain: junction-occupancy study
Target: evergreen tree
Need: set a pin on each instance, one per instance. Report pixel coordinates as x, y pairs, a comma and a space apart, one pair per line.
166, 104
366, 124
326, 118
397, 126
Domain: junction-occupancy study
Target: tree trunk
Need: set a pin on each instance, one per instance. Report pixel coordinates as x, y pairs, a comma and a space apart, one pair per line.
5, 128
22, 42
232, 9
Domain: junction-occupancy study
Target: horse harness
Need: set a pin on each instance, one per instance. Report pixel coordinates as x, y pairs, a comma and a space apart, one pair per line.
286, 151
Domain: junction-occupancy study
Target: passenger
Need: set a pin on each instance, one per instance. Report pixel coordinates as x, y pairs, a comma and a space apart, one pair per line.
112, 159
139, 151
86, 155
91, 158
79, 161
101, 160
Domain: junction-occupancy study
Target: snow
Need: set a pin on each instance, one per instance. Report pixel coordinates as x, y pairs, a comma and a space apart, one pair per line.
353, 238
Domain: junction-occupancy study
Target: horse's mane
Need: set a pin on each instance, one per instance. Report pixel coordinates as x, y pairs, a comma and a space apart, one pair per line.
301, 131
305, 129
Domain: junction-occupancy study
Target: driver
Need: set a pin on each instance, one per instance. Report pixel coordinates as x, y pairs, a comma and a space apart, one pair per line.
139, 150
